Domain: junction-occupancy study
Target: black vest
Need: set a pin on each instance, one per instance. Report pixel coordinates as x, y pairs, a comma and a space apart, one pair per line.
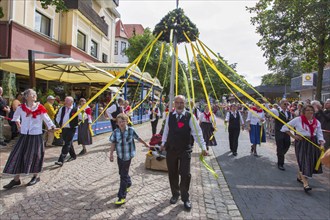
281, 115
179, 139
117, 112
156, 110
74, 122
234, 122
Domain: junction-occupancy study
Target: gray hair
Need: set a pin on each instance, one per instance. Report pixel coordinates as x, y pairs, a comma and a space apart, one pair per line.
28, 92
71, 98
180, 97
283, 101
315, 102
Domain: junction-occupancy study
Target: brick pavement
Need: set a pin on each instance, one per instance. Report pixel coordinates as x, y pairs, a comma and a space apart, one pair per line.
87, 187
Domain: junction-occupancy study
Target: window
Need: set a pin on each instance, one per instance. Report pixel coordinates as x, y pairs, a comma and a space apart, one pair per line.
116, 47
104, 58
94, 49
81, 41
42, 23
123, 48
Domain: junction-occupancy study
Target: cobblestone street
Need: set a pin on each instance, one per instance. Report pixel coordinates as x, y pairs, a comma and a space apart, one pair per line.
87, 187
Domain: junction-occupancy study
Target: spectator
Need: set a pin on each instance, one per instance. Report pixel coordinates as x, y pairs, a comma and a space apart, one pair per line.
49, 105
4, 110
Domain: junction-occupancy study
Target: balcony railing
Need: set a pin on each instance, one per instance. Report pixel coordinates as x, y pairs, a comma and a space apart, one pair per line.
86, 9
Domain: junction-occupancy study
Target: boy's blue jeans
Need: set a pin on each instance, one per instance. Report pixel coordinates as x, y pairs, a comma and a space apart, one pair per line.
125, 179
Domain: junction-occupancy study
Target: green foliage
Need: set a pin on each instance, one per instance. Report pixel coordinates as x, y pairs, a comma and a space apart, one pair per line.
59, 5
295, 32
42, 97
136, 45
177, 21
219, 87
1, 12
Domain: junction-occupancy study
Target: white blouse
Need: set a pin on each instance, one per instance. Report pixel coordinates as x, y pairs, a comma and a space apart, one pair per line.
255, 117
297, 124
30, 125
202, 118
86, 116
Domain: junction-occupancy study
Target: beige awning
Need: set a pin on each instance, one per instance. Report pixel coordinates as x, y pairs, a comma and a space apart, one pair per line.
60, 69
115, 68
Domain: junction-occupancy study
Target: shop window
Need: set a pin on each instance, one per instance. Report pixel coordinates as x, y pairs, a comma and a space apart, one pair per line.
42, 23
94, 49
116, 47
81, 41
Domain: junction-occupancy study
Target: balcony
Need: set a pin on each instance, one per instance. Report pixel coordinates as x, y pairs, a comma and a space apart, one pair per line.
86, 9
108, 3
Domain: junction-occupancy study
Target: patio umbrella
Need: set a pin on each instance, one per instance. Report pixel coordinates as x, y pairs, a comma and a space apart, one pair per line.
60, 69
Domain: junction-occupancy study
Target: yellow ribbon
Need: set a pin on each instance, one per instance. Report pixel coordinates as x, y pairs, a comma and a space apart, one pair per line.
194, 123
58, 132
261, 106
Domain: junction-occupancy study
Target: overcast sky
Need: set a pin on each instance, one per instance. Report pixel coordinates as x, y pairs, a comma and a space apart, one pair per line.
224, 26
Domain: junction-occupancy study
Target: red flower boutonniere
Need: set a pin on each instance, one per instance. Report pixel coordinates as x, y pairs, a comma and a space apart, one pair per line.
180, 124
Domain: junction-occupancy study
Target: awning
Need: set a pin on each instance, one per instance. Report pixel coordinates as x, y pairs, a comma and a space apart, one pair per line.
60, 69
115, 68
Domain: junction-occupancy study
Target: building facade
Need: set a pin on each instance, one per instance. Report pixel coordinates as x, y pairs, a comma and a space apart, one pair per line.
85, 32
121, 43
309, 92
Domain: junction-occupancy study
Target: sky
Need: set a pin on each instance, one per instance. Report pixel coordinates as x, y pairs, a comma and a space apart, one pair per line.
224, 26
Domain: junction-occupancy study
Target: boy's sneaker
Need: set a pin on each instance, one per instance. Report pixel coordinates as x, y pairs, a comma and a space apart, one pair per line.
120, 201
128, 189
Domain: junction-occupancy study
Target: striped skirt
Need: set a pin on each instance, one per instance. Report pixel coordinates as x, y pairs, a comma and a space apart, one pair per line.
207, 129
255, 134
27, 155
307, 156
84, 134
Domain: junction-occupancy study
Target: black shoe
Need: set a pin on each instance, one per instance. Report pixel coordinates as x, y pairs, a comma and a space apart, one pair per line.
174, 199
187, 205
235, 154
71, 159
59, 163
12, 183
307, 188
280, 167
3, 143
33, 181
82, 152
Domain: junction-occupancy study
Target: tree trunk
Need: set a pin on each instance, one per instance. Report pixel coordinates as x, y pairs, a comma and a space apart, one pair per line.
321, 64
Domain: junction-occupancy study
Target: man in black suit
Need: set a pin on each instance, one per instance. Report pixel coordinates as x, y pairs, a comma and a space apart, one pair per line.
64, 114
282, 139
179, 126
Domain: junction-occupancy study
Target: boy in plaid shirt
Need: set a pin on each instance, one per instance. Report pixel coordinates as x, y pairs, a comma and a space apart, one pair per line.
122, 139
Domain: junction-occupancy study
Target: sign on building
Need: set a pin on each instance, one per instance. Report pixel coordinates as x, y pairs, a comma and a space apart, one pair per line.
307, 79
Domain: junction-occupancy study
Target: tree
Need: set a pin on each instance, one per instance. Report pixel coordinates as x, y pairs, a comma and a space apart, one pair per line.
136, 45
295, 31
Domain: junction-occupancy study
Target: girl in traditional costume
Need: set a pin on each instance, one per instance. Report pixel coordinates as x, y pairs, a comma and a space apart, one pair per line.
205, 122
84, 126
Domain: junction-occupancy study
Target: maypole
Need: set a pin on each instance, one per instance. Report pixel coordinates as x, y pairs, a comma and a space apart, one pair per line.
173, 68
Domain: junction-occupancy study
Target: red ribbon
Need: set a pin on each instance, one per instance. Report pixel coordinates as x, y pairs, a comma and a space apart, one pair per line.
257, 110
40, 110
312, 126
207, 116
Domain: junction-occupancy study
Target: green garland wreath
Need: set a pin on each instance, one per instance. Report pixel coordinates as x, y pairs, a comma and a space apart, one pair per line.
180, 23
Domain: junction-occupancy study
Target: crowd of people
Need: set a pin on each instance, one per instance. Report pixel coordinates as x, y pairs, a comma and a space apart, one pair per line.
184, 125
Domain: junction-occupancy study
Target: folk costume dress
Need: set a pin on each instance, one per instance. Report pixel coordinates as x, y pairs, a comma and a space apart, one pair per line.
307, 154
256, 125
84, 132
27, 155
206, 124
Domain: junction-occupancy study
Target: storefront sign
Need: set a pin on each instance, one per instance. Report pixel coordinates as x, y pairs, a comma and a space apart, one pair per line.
307, 79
